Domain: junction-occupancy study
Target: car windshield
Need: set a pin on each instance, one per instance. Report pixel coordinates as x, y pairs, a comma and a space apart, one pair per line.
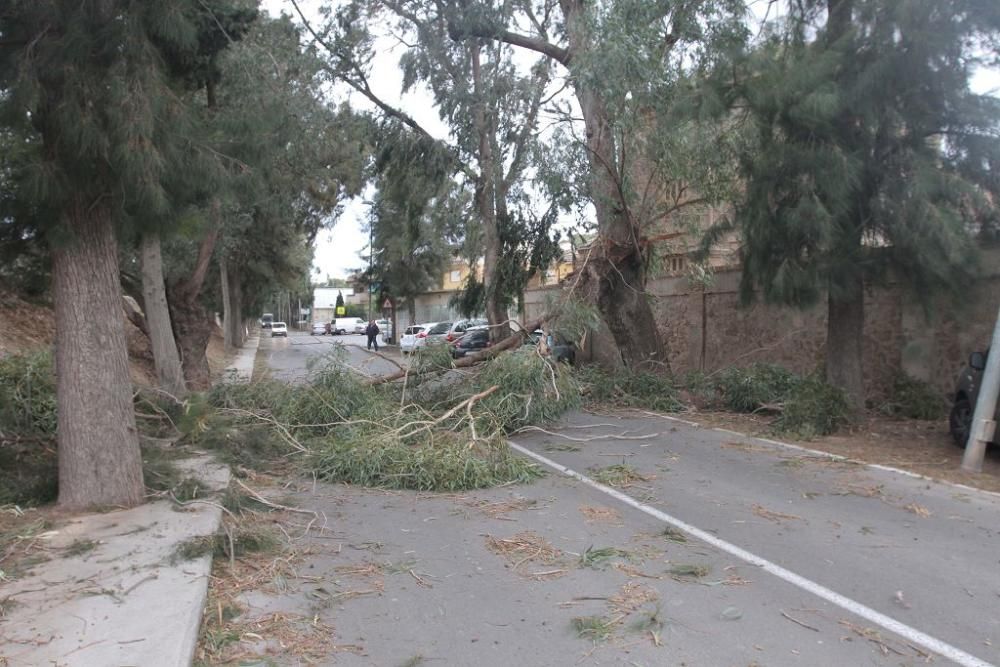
440, 328
411, 331
279, 324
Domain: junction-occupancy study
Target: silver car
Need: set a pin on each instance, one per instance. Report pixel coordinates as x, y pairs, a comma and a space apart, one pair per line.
438, 333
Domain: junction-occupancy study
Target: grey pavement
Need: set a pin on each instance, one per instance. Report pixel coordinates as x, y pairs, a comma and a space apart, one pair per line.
727, 550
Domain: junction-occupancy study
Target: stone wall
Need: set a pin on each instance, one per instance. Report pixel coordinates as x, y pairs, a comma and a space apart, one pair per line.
709, 329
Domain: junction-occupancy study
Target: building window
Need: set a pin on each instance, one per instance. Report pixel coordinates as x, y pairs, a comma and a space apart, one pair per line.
456, 276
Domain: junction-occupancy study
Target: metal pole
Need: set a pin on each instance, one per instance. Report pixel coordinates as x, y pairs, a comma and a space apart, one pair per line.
983, 425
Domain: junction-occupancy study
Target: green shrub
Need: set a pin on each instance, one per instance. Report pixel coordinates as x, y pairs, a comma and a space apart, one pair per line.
629, 389
748, 389
812, 408
914, 399
27, 394
28, 465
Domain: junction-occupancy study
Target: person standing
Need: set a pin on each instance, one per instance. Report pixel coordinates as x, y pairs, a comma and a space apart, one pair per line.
372, 331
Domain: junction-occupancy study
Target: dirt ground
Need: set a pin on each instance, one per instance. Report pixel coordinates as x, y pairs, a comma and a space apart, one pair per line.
922, 447
30, 326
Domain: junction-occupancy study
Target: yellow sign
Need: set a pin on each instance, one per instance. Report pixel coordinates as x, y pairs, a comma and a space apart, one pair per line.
341, 310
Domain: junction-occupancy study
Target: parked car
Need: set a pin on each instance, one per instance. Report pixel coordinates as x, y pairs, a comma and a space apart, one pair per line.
412, 338
320, 328
966, 394
345, 325
279, 329
560, 349
437, 333
385, 329
459, 328
474, 339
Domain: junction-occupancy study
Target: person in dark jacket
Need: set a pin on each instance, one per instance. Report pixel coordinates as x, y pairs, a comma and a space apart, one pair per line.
372, 331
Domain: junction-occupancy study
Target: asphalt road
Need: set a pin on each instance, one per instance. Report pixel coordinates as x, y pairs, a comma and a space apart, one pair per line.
291, 358
722, 550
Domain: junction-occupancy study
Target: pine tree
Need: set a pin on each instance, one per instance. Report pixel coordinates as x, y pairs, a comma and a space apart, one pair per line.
88, 80
870, 156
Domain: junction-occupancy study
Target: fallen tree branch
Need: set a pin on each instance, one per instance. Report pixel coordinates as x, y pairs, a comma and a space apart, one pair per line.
469, 401
506, 344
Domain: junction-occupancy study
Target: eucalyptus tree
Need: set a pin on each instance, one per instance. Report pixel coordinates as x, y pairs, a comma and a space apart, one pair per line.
88, 81
489, 103
621, 58
413, 222
871, 158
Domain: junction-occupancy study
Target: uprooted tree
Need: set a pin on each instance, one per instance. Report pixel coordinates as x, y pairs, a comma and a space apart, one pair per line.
620, 58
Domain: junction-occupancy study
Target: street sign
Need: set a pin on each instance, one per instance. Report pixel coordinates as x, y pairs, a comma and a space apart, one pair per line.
341, 310
387, 305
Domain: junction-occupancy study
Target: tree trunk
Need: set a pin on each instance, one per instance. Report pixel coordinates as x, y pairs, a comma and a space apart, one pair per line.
161, 335
485, 124
99, 459
191, 321
193, 329
236, 305
616, 274
411, 307
845, 343
227, 304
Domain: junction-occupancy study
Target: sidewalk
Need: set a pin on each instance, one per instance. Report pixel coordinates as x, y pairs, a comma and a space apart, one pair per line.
113, 590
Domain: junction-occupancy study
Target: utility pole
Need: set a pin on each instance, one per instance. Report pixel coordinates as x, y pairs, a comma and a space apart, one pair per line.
983, 426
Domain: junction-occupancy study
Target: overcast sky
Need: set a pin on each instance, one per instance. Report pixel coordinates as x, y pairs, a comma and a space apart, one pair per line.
338, 248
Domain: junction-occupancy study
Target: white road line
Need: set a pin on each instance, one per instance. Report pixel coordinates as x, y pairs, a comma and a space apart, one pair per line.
913, 635
833, 457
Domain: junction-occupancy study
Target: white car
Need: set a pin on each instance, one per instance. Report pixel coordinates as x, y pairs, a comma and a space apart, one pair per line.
279, 329
414, 337
345, 325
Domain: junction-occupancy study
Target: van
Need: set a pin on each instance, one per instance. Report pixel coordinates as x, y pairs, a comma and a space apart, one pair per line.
345, 325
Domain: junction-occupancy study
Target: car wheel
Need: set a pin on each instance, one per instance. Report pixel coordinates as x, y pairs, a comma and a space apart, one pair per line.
960, 421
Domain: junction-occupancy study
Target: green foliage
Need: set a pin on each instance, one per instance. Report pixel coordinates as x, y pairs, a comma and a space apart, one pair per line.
844, 177
812, 408
28, 472
629, 389
438, 462
27, 395
914, 399
532, 390
747, 389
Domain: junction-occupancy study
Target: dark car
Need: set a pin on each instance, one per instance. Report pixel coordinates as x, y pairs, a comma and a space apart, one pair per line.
966, 393
560, 348
472, 340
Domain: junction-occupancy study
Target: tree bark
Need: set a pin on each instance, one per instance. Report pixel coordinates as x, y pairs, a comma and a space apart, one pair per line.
411, 307
161, 334
227, 305
845, 343
99, 459
193, 329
